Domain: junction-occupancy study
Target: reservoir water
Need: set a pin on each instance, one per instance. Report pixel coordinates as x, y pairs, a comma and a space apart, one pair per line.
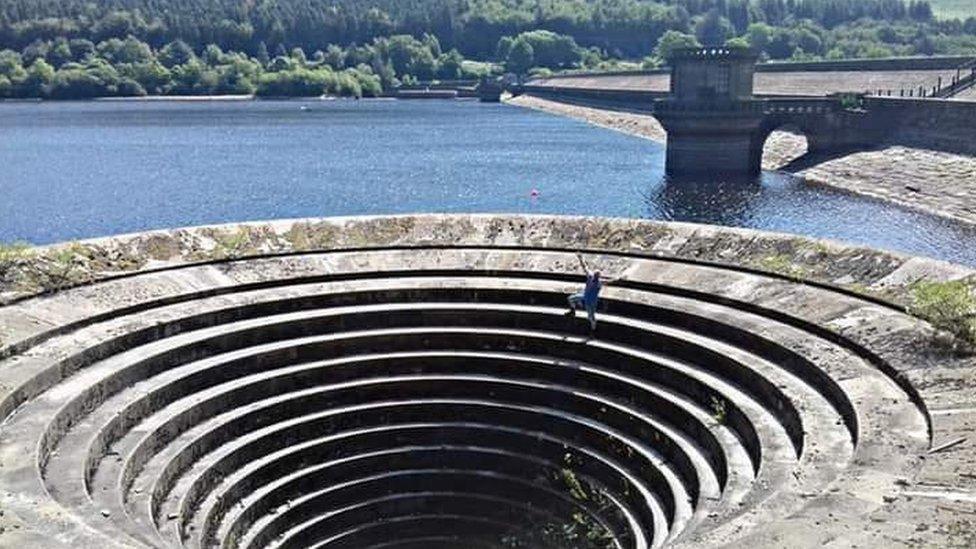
77, 170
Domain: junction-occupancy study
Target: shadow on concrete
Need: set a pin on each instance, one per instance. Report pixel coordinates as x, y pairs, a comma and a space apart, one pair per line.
812, 159
809, 160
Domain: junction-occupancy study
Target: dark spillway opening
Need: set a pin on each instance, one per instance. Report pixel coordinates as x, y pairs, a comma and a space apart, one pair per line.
461, 415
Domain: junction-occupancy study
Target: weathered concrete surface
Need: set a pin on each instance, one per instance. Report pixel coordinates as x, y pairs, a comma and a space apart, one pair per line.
872, 392
936, 182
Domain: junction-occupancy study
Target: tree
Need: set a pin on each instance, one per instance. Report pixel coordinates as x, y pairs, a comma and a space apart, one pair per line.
423, 66
40, 75
552, 50
433, 44
81, 49
213, 55
713, 29
780, 44
152, 76
150, 44
282, 63
129, 50
37, 49
504, 48
118, 24
808, 40
924, 44
129, 88
298, 54
409, 55
920, 11
60, 53
175, 53
262, 54
738, 43
369, 83
622, 28
384, 71
299, 82
450, 65
739, 13
674, 40
335, 57
11, 65
347, 85
234, 79
521, 58
77, 84
193, 78
759, 35
877, 51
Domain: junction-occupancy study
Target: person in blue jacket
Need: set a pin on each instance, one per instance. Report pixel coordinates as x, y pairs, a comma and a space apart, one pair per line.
589, 298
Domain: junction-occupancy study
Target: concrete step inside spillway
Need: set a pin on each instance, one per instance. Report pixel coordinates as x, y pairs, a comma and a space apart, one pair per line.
416, 382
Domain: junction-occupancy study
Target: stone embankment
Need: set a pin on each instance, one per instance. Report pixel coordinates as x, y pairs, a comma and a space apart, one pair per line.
413, 381
936, 182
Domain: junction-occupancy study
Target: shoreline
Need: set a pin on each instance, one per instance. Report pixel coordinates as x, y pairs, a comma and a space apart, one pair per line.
936, 183
188, 98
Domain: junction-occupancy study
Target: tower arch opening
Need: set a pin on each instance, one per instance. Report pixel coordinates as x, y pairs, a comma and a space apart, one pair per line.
782, 144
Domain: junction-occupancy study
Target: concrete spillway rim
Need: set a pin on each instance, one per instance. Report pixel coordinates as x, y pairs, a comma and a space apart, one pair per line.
605, 238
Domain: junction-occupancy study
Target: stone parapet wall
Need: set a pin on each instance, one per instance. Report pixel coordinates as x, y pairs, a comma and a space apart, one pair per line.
931, 123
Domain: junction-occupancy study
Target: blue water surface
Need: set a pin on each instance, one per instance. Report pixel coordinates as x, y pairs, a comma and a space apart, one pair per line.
85, 169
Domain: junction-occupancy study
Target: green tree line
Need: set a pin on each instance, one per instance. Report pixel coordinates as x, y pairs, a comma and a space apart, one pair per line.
78, 68
80, 48
621, 28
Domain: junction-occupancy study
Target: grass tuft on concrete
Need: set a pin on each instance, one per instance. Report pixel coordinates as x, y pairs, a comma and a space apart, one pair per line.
949, 307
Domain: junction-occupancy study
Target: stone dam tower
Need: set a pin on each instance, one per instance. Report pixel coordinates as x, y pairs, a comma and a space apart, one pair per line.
717, 126
712, 116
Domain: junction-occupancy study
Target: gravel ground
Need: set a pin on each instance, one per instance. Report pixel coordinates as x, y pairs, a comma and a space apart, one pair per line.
936, 182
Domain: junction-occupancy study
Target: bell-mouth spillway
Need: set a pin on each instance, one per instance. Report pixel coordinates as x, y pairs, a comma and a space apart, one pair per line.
415, 381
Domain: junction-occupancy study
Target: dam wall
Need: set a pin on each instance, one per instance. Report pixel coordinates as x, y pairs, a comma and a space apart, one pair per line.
897, 75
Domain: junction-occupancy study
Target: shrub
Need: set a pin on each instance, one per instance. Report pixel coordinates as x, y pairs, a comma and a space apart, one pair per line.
77, 84
347, 85
130, 88
295, 83
949, 307
540, 72
369, 84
